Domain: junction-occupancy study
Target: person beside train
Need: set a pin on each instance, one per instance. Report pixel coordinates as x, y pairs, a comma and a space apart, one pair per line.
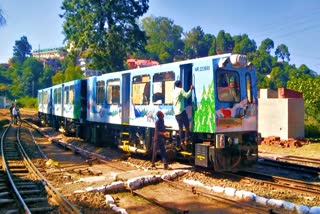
11, 115
159, 140
179, 94
15, 114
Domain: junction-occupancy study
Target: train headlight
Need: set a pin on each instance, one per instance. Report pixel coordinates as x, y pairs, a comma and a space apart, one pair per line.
220, 141
238, 60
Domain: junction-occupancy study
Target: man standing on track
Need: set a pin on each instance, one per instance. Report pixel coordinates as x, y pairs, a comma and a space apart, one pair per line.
160, 135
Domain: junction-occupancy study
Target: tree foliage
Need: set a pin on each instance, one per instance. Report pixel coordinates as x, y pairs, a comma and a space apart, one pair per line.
58, 78
21, 50
164, 38
224, 43
106, 29
197, 43
310, 87
72, 73
282, 52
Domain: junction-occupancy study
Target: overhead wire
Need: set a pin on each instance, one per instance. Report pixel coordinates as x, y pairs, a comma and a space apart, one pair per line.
289, 27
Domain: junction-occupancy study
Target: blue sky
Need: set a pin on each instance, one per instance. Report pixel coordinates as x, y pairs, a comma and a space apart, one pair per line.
294, 23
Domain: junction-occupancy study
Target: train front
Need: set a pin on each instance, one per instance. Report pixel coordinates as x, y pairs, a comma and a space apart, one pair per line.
225, 115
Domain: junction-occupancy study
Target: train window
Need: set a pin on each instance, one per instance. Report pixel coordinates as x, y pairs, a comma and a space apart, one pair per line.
40, 97
45, 97
66, 95
163, 86
100, 92
249, 88
228, 86
57, 96
113, 92
71, 94
141, 90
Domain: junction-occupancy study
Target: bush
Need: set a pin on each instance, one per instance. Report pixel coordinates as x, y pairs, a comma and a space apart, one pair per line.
27, 102
312, 129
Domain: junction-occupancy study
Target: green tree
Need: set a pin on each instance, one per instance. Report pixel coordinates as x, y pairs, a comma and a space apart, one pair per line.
310, 87
46, 79
197, 43
72, 73
32, 69
279, 78
224, 43
106, 29
244, 45
58, 78
282, 52
164, 38
304, 71
213, 47
266, 45
21, 50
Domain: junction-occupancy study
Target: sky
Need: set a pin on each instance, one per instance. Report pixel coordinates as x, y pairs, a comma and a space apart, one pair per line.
294, 23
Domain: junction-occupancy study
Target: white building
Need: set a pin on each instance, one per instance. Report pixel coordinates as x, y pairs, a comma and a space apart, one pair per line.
281, 113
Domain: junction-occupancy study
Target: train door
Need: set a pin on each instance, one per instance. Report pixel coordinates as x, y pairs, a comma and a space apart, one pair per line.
125, 98
187, 80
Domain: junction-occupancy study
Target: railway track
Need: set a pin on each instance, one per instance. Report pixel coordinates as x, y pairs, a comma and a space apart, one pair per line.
154, 200
302, 166
312, 162
172, 185
280, 182
23, 187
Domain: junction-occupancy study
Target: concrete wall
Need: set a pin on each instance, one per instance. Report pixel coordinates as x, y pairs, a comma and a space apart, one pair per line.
282, 117
296, 118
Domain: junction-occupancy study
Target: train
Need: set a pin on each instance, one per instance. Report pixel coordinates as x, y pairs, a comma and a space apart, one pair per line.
119, 109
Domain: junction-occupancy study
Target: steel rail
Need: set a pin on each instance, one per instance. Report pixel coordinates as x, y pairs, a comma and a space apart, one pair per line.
66, 205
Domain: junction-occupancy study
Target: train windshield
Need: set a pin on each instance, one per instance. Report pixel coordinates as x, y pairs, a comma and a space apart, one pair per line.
228, 86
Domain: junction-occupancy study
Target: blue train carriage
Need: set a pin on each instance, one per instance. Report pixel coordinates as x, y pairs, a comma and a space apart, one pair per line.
44, 106
225, 113
69, 107
122, 106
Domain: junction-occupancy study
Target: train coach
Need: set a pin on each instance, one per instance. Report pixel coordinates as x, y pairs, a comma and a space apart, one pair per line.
119, 109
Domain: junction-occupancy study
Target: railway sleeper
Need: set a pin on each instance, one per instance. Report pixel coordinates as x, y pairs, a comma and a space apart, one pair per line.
6, 201
29, 191
19, 170
35, 200
41, 209
24, 184
2, 194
